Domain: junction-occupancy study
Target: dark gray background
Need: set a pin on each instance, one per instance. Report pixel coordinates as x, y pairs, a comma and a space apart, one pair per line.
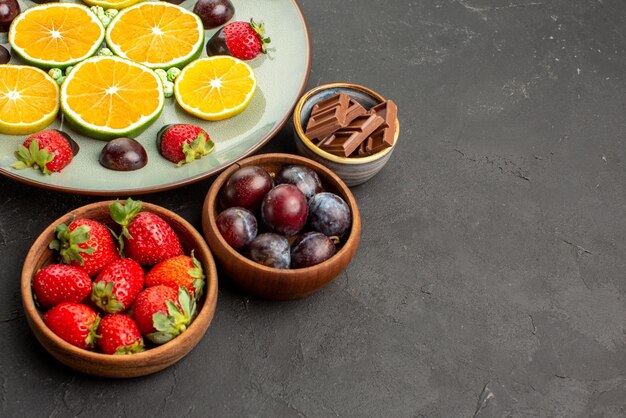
491, 276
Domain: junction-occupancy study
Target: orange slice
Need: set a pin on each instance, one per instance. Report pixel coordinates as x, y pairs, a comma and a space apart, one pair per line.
215, 88
29, 99
157, 35
112, 4
109, 97
56, 34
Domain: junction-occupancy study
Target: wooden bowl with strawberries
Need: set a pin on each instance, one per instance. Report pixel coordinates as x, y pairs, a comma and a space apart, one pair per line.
62, 317
272, 276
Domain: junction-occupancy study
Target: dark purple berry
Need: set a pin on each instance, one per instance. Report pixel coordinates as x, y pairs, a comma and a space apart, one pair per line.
5, 55
238, 226
284, 210
310, 249
329, 214
271, 250
302, 177
246, 188
123, 154
9, 9
214, 13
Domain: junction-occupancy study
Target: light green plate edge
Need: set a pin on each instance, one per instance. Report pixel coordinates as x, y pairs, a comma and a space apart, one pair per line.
281, 78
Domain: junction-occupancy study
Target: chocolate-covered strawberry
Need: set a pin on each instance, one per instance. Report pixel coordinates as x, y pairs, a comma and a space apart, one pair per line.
59, 283
119, 334
117, 285
162, 313
183, 143
145, 237
87, 244
243, 40
49, 151
73, 322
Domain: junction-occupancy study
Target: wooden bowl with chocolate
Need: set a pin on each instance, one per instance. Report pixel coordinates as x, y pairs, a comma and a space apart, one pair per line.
281, 226
348, 128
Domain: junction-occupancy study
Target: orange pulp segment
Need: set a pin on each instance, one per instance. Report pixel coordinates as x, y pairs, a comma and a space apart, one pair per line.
29, 99
56, 34
158, 35
107, 97
215, 88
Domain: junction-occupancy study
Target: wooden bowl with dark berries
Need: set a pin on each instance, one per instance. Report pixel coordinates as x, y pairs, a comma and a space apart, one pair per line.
119, 288
281, 226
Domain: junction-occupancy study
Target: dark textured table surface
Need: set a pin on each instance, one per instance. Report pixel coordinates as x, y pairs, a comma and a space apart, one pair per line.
491, 276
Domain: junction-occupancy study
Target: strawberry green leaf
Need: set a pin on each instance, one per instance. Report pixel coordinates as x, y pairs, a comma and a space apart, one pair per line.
67, 243
90, 341
197, 148
198, 274
123, 214
103, 296
33, 157
134, 348
176, 321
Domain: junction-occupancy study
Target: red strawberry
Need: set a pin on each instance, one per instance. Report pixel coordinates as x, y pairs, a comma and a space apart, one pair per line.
119, 335
74, 323
49, 151
58, 283
145, 237
162, 313
117, 285
178, 271
183, 143
85, 243
241, 40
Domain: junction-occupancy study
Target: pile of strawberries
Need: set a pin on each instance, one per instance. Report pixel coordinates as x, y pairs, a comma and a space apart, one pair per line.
111, 290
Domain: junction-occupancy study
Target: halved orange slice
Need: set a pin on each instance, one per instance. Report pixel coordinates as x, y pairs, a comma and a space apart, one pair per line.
157, 35
56, 34
109, 97
29, 99
215, 88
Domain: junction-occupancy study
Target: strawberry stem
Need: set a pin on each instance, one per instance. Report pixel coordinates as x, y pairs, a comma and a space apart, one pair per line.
197, 148
176, 321
198, 274
33, 157
67, 243
259, 28
123, 214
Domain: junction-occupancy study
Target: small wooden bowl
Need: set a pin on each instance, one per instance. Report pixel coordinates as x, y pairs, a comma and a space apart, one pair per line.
353, 171
272, 283
141, 364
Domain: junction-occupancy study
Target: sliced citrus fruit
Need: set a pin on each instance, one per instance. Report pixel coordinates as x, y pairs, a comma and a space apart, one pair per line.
56, 34
215, 88
109, 97
29, 99
112, 4
157, 35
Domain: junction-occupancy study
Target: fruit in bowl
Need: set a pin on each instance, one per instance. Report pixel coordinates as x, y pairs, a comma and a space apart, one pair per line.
284, 257
81, 323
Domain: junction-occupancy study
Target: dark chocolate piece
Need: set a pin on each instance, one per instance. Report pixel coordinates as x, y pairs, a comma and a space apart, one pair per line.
327, 116
385, 134
346, 140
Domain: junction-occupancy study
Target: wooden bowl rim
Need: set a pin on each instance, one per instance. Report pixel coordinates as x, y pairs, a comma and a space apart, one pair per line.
205, 314
215, 188
297, 125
